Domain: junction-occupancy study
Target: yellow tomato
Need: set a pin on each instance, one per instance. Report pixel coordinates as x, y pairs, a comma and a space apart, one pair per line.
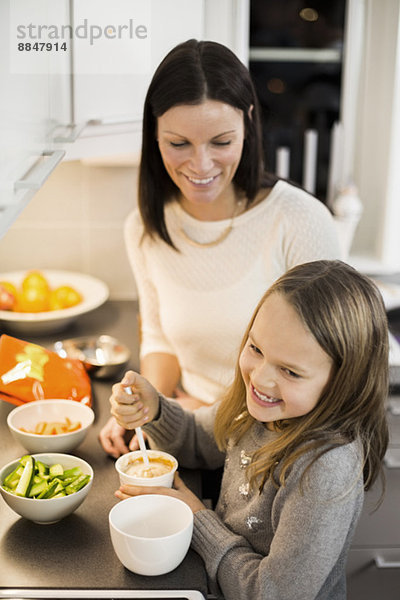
64, 296
35, 279
33, 300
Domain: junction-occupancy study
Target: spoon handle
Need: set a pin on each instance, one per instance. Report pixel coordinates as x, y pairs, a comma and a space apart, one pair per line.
142, 445
139, 434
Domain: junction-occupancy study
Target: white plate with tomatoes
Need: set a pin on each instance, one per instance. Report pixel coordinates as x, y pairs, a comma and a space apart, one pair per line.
47, 301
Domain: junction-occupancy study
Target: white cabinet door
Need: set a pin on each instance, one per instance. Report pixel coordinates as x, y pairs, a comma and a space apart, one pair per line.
119, 95
27, 113
110, 104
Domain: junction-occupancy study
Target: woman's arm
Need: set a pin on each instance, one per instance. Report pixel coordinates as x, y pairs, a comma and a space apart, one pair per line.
158, 362
310, 231
162, 370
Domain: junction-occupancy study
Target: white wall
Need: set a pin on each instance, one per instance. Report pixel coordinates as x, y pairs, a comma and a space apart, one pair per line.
75, 223
377, 139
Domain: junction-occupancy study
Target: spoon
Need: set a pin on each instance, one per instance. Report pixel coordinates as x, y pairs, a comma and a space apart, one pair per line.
139, 434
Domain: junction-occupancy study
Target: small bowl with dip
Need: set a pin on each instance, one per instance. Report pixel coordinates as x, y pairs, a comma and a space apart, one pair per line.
132, 469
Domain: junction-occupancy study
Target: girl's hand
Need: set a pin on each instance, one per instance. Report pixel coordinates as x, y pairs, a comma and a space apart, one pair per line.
180, 491
136, 409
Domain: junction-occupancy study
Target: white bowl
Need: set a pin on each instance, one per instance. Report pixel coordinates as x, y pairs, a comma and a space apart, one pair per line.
94, 292
30, 414
151, 534
164, 480
51, 510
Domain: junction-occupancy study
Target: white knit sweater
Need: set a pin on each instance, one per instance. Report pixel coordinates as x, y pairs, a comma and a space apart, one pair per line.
196, 303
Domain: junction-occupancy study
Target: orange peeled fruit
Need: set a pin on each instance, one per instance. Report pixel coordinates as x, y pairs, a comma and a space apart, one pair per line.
64, 296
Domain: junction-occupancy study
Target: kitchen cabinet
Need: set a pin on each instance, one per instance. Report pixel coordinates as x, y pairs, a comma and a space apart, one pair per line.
373, 567
368, 580
34, 100
108, 103
56, 104
108, 99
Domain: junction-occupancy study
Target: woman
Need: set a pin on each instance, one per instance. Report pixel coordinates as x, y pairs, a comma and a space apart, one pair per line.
213, 229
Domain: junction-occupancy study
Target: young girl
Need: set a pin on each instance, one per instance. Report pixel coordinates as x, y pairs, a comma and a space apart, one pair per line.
302, 432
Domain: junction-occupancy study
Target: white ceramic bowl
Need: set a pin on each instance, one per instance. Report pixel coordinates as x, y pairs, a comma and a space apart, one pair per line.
52, 510
94, 292
30, 414
164, 480
151, 534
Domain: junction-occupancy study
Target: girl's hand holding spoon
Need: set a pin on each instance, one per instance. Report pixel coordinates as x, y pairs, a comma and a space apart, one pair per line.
134, 410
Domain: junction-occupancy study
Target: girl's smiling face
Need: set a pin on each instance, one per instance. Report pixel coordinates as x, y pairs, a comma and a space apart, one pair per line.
201, 147
283, 367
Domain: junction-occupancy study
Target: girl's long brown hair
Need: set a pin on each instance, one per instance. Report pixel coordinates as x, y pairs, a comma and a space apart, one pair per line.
345, 313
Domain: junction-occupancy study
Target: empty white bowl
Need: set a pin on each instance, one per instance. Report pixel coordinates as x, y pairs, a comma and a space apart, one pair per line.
166, 479
151, 534
30, 414
51, 510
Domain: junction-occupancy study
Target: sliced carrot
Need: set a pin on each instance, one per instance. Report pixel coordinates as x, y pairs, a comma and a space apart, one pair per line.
54, 427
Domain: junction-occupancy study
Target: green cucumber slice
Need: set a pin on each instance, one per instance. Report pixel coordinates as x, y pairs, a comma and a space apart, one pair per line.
26, 479
37, 488
56, 470
78, 484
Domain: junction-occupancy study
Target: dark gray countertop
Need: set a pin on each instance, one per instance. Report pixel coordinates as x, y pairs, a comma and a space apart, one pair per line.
76, 553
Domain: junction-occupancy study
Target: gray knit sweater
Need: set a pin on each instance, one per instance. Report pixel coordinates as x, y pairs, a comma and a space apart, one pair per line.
286, 544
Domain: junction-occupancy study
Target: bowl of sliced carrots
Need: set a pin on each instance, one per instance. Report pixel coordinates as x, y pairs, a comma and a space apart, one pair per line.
50, 425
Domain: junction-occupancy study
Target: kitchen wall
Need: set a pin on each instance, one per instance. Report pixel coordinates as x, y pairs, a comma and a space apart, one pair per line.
75, 222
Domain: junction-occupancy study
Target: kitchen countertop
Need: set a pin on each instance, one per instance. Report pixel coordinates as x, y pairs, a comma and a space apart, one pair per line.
74, 557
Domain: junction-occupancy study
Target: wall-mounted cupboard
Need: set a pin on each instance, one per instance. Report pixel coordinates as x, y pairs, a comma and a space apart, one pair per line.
73, 78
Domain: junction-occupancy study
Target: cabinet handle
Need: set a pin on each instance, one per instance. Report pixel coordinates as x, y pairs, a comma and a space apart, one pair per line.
75, 131
36, 176
392, 458
382, 563
116, 121
394, 405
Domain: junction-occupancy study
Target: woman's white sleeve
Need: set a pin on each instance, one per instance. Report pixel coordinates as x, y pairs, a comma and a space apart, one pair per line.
152, 335
310, 232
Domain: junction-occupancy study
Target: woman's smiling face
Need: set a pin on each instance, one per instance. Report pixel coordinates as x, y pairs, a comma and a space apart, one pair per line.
284, 368
201, 147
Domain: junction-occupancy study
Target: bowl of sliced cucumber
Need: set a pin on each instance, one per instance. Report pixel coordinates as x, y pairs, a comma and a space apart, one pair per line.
45, 488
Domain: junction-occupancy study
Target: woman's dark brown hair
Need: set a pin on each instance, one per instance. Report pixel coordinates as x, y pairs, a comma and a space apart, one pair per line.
191, 73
